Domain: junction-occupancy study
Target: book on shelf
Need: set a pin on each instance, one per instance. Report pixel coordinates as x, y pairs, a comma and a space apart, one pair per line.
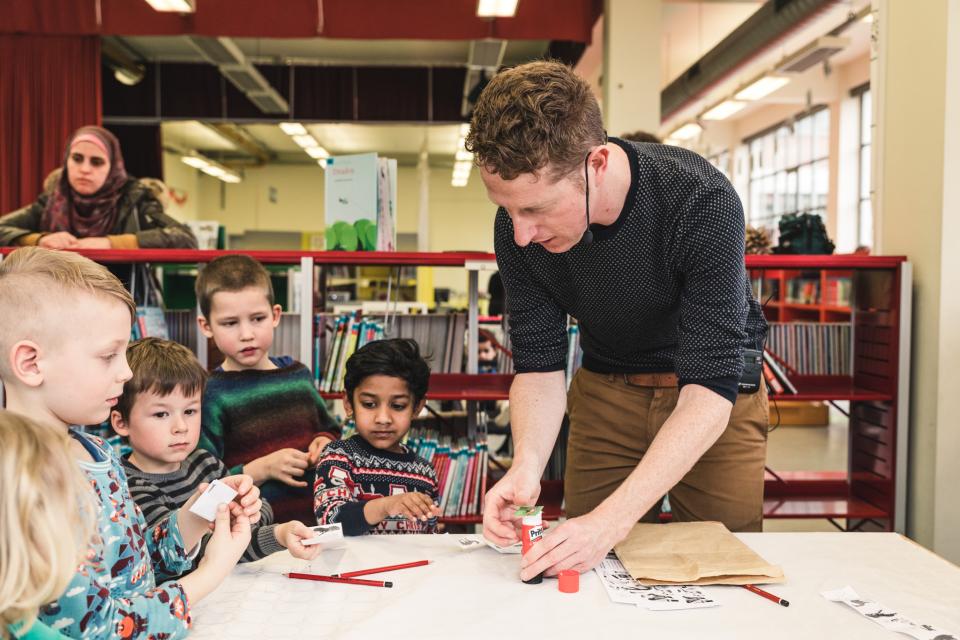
150, 321
838, 290
813, 348
182, 327
803, 290
776, 376
360, 203
460, 464
337, 337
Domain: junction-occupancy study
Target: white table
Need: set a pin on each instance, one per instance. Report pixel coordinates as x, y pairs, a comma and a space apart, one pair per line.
477, 594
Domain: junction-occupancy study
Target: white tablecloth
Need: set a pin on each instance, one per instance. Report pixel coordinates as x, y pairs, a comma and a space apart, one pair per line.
477, 594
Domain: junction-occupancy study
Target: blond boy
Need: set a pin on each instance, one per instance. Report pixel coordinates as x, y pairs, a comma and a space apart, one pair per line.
64, 327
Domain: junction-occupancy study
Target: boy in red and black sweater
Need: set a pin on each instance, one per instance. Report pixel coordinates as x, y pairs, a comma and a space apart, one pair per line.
371, 483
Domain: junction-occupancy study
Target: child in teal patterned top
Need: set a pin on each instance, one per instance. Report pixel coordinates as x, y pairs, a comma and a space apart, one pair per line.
64, 328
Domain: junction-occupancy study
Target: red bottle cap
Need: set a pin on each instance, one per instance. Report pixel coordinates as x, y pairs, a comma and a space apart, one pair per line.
569, 581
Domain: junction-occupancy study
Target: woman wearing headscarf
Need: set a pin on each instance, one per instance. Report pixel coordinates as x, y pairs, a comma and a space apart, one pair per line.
95, 205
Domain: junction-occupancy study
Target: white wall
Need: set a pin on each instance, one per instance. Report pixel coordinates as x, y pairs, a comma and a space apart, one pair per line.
947, 521
183, 183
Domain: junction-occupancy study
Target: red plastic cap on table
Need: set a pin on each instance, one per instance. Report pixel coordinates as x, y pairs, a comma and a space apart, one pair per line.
569, 581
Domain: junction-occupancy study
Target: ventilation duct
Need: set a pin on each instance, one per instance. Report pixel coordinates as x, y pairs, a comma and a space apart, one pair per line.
772, 22
229, 59
217, 51
483, 62
812, 54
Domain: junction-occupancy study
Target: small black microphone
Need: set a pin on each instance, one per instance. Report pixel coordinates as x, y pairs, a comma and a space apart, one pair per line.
587, 237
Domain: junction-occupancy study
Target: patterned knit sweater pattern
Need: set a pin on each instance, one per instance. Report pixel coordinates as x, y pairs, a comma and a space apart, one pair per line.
351, 472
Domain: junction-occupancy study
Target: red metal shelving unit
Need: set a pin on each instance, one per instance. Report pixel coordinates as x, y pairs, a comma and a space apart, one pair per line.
871, 493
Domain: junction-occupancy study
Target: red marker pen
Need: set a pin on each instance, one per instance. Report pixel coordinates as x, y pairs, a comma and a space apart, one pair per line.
531, 533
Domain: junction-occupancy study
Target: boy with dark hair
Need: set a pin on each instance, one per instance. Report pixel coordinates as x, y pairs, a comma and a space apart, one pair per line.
371, 483
159, 413
261, 414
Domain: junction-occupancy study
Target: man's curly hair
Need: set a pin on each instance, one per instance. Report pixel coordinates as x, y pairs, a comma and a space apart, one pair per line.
534, 115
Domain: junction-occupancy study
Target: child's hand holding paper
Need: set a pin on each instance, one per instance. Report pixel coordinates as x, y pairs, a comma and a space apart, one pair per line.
292, 535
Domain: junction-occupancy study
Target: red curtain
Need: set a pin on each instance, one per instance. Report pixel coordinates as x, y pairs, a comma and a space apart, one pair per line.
50, 86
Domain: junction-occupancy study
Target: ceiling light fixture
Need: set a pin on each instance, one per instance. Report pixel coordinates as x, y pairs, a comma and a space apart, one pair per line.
686, 132
761, 88
317, 152
293, 128
723, 110
496, 8
210, 167
195, 161
175, 6
305, 141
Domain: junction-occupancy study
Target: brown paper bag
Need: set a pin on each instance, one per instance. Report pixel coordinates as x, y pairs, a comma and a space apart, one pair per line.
692, 553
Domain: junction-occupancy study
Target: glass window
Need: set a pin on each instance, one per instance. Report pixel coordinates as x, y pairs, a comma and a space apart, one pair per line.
789, 170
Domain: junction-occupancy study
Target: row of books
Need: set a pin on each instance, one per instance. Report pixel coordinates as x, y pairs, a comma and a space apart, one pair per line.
348, 333
150, 321
440, 336
803, 290
461, 467
813, 348
838, 291
182, 327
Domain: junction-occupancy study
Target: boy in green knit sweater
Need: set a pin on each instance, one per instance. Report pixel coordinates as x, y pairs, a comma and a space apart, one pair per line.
261, 414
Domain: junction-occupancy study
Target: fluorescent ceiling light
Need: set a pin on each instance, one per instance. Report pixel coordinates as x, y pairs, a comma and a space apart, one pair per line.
306, 141
459, 182
293, 128
178, 6
496, 8
464, 129
723, 110
194, 161
317, 152
230, 177
213, 170
761, 88
687, 131
464, 156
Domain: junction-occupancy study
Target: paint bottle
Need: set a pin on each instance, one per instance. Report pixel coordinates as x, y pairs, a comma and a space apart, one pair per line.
531, 532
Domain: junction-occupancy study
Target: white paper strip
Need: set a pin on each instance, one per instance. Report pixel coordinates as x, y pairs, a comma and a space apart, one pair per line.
886, 617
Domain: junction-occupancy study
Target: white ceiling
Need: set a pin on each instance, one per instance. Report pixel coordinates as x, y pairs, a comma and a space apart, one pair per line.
402, 141
690, 29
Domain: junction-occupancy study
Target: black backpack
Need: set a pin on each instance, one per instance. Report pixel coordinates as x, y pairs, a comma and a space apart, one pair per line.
803, 233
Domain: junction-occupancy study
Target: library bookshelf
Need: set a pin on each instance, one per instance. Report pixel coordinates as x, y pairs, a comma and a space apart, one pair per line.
873, 294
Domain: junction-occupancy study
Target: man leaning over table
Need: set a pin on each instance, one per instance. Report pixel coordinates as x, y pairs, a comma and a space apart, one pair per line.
643, 244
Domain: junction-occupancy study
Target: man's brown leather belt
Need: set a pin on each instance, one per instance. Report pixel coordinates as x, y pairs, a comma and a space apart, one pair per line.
656, 380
